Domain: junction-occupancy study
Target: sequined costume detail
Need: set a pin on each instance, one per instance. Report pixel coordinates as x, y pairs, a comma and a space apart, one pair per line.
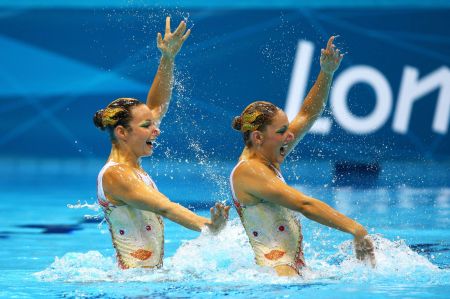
274, 231
137, 235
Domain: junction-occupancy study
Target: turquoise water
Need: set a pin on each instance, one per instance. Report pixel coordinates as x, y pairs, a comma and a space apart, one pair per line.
51, 246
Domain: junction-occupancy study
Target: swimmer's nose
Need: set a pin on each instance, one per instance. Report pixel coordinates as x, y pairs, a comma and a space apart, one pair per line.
156, 132
290, 137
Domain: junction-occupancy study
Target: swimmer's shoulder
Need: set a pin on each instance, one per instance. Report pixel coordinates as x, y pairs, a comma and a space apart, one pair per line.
246, 177
250, 169
243, 169
116, 176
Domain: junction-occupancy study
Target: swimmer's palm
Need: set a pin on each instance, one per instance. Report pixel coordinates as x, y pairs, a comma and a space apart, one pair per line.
172, 42
219, 217
331, 57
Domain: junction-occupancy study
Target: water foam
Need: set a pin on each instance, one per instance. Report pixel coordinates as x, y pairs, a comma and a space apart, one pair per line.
228, 258
94, 207
395, 261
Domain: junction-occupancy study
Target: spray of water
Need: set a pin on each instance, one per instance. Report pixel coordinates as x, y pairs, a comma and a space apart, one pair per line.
228, 257
93, 207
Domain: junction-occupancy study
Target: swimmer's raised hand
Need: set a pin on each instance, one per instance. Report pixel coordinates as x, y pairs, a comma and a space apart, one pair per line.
331, 57
219, 217
171, 44
364, 249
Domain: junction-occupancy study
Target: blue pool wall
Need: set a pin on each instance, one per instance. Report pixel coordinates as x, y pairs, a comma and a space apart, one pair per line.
390, 99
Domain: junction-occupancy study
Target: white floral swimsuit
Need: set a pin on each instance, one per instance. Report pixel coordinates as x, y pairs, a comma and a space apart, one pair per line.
137, 235
274, 231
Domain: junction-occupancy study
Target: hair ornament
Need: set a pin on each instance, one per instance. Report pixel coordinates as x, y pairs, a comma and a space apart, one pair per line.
108, 116
248, 119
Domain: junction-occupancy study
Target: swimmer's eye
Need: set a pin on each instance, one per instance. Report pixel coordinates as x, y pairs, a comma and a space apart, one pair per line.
147, 124
282, 130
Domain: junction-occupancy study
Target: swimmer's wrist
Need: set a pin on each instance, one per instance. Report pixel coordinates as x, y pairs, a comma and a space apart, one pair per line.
360, 232
167, 57
206, 224
328, 72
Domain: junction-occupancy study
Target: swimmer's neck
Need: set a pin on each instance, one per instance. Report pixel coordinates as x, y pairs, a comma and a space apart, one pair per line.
124, 156
251, 154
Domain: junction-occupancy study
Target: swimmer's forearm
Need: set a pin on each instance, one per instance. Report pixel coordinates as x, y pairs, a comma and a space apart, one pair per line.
316, 210
321, 212
160, 92
184, 217
317, 97
312, 108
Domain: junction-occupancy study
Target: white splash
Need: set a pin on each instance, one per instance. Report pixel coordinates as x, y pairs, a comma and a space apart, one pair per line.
94, 207
395, 261
228, 258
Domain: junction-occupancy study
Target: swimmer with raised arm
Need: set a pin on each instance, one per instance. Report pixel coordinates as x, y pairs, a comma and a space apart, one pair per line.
132, 204
264, 202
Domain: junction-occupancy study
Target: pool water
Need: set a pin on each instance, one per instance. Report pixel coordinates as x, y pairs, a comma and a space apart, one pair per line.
53, 245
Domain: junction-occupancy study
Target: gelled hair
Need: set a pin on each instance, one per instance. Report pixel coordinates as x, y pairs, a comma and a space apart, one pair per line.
255, 117
117, 113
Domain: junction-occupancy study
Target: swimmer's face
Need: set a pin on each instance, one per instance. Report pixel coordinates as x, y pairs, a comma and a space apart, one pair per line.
275, 138
143, 131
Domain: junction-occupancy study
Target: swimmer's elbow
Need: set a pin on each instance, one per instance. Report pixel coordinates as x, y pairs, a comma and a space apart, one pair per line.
157, 203
163, 210
167, 209
305, 205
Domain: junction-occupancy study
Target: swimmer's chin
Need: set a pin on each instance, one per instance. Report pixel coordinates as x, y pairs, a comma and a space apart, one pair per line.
147, 154
280, 159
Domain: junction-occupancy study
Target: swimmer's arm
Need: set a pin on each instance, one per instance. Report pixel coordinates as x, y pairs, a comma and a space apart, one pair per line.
160, 92
316, 100
123, 185
262, 183
318, 211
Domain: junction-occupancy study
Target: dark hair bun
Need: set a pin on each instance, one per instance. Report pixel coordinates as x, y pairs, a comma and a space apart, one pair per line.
98, 119
237, 123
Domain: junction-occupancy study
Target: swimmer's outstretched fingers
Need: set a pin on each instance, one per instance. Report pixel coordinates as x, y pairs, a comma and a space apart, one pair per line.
172, 42
167, 25
331, 56
219, 217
